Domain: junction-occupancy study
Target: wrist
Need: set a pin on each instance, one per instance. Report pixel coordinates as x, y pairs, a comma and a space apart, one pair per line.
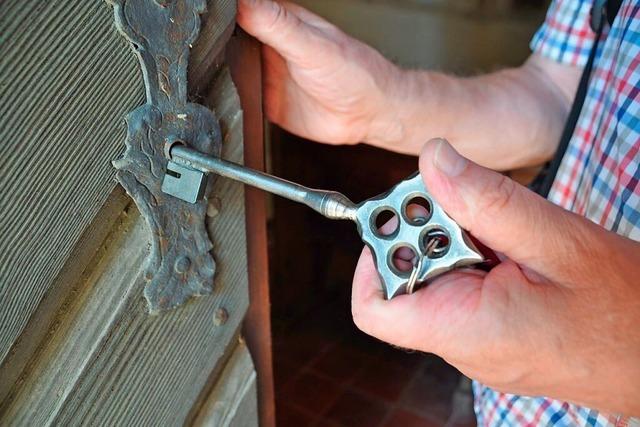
388, 127
404, 115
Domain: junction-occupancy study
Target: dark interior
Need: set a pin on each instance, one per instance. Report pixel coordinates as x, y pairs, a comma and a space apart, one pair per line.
327, 372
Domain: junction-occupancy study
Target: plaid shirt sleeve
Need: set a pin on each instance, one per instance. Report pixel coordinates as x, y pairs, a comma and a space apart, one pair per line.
566, 36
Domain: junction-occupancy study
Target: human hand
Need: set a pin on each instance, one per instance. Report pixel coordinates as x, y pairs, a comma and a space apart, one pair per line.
558, 317
320, 83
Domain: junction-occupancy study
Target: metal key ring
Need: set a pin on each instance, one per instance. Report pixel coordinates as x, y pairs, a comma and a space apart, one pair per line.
431, 248
413, 279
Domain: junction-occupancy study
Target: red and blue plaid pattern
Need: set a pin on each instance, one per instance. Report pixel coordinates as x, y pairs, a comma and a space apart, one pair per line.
599, 176
501, 409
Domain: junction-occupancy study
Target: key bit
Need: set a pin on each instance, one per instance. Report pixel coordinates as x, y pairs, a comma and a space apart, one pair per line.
437, 242
184, 183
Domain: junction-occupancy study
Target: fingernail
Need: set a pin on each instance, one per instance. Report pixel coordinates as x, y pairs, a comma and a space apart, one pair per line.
447, 159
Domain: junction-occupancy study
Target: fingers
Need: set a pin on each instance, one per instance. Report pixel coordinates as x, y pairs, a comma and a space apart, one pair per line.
309, 17
366, 283
371, 312
502, 214
426, 320
283, 97
276, 25
276, 84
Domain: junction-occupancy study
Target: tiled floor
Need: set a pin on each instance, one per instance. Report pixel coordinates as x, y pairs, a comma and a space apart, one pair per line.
330, 374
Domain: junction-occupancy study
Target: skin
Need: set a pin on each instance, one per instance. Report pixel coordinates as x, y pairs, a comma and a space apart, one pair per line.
560, 315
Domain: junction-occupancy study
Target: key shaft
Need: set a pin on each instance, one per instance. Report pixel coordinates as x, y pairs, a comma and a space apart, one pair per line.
331, 204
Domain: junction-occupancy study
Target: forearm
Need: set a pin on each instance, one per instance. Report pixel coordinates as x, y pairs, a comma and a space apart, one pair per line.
503, 120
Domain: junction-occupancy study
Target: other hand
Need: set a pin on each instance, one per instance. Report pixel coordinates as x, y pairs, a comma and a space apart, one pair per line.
320, 83
559, 317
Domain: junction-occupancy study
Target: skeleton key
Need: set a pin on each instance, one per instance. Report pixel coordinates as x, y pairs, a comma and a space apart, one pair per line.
437, 242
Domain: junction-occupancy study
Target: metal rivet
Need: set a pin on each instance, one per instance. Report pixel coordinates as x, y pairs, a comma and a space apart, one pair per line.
182, 264
213, 209
220, 317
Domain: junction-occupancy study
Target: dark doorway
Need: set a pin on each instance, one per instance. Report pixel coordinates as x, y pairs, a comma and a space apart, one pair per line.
327, 371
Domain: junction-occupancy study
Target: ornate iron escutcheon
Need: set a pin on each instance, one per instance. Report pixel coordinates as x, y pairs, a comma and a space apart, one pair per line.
180, 264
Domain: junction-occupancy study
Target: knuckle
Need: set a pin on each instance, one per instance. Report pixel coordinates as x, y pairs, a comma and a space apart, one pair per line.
278, 18
499, 197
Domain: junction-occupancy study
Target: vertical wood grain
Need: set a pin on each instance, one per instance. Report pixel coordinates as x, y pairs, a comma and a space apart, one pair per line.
233, 401
244, 59
67, 80
106, 361
81, 347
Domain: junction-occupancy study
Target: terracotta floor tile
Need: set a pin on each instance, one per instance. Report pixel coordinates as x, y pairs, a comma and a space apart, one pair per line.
356, 410
284, 370
427, 397
329, 374
403, 418
341, 362
462, 412
413, 360
311, 392
440, 371
384, 379
326, 423
354, 337
330, 320
301, 346
290, 416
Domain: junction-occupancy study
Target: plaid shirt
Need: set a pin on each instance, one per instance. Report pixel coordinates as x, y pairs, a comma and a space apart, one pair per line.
599, 176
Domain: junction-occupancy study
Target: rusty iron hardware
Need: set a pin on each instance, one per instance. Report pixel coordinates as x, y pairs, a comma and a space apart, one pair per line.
180, 264
436, 242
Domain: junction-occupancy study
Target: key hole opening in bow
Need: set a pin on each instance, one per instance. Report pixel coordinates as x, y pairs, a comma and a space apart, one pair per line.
436, 243
401, 260
417, 210
385, 222
170, 144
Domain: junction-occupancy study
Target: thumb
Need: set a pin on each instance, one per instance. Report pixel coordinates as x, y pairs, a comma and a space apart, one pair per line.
502, 214
276, 25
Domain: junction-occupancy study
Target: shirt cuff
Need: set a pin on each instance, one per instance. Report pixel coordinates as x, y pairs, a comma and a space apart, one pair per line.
566, 35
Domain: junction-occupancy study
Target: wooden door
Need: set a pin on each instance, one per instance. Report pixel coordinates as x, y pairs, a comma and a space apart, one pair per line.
77, 344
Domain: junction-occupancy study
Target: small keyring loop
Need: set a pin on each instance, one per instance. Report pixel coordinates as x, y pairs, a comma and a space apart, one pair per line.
413, 279
417, 265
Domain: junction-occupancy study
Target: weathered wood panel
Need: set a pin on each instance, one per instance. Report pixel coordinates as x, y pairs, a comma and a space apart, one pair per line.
232, 402
244, 59
83, 254
247, 411
107, 361
206, 55
66, 81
